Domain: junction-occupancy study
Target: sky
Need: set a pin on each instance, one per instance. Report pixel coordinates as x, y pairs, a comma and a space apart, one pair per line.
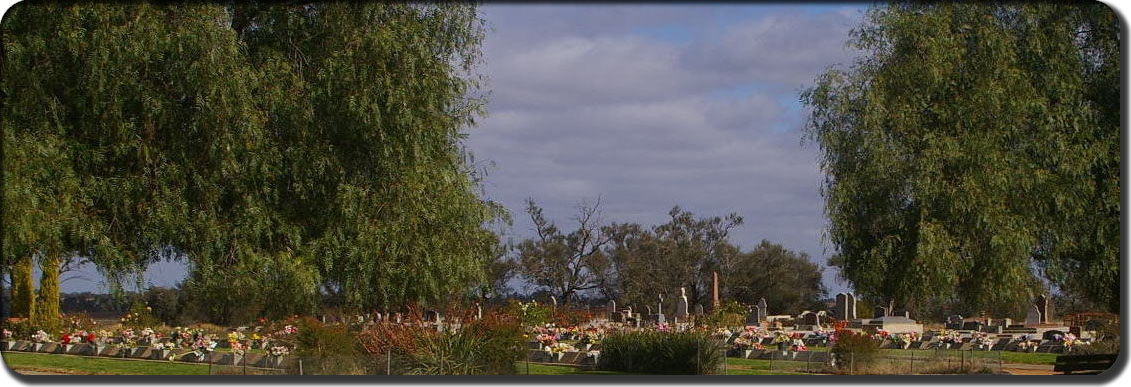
648, 107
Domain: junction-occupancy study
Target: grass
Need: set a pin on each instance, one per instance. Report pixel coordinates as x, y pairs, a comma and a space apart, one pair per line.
1029, 358
86, 365
545, 369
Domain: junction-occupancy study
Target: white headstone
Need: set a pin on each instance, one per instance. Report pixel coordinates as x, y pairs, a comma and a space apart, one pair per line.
681, 309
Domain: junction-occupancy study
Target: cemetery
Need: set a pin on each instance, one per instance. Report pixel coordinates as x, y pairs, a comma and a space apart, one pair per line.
454, 188
762, 341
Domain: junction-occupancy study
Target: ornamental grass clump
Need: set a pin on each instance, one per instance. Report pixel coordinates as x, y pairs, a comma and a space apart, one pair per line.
681, 353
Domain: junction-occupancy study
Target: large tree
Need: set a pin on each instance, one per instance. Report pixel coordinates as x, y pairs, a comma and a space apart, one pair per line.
565, 263
282, 151
972, 151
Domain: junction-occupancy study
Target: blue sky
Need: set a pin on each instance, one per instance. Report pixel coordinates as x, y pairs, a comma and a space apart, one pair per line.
650, 106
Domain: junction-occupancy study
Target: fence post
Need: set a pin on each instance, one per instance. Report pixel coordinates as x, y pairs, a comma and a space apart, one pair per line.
388, 362
300, 366
912, 371
852, 363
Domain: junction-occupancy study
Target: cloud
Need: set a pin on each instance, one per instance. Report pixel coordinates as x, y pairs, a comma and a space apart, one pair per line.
649, 108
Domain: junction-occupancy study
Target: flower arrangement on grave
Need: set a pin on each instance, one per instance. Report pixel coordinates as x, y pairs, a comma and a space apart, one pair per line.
742, 343
203, 343
7, 335
547, 340
65, 339
280, 351
561, 347
902, 339
147, 335
799, 345
41, 337
128, 336
722, 334
664, 327
780, 337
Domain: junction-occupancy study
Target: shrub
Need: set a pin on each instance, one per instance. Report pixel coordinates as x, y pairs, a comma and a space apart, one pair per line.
856, 347
140, 317
328, 349
682, 353
490, 346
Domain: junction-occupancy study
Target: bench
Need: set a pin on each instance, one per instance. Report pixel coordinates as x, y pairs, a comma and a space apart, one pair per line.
1084, 364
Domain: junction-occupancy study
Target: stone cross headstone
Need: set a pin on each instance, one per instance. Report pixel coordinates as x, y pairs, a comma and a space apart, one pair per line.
1034, 316
681, 310
660, 306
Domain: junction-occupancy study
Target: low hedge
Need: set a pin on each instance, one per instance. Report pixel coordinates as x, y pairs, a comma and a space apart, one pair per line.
683, 353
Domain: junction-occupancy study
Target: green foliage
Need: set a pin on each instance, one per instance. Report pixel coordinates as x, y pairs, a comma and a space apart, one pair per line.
685, 251
971, 148
140, 317
565, 263
683, 353
23, 288
328, 349
730, 314
530, 313
854, 347
280, 150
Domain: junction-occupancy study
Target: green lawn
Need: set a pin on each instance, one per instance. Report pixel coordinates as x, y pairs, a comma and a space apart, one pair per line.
545, 369
87, 365
1029, 358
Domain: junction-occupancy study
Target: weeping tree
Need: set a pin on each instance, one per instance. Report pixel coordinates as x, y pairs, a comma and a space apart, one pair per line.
281, 151
972, 154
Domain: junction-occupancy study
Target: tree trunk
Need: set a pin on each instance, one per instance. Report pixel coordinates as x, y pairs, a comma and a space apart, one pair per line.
23, 289
47, 307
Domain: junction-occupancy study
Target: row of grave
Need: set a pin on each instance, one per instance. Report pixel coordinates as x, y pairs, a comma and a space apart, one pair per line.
151, 353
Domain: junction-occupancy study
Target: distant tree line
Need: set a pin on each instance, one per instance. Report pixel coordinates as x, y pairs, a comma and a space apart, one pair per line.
634, 265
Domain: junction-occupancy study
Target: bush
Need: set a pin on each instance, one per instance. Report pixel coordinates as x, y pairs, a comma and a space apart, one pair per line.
490, 346
328, 349
682, 353
860, 347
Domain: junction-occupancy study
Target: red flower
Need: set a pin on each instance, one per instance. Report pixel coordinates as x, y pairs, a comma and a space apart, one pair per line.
66, 339
90, 338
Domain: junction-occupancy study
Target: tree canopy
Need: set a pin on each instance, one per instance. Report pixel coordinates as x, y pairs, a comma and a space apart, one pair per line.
284, 152
972, 154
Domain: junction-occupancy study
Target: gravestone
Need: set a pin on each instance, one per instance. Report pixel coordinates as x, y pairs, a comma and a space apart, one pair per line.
1004, 322
1034, 316
398, 317
715, 291
1042, 303
809, 318
972, 326
880, 312
681, 311
845, 306
954, 322
752, 316
698, 309
478, 311
554, 302
612, 308
763, 309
